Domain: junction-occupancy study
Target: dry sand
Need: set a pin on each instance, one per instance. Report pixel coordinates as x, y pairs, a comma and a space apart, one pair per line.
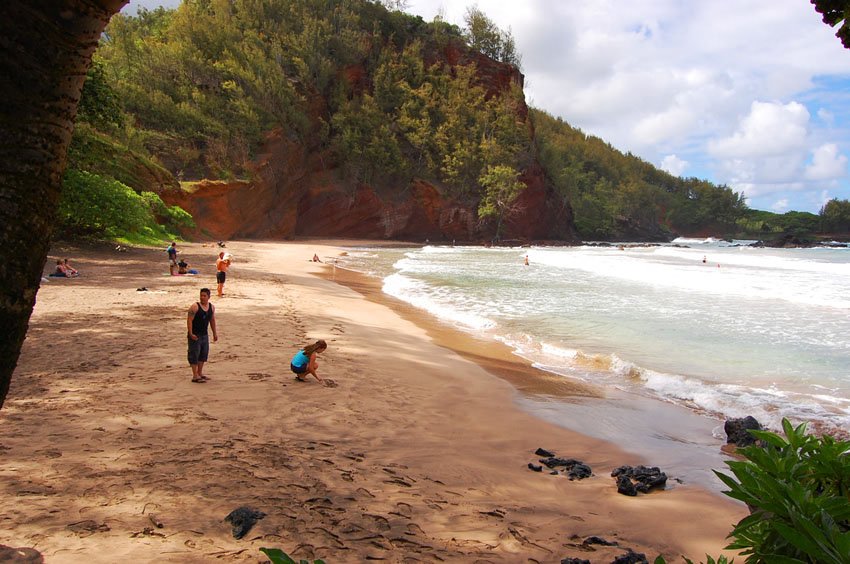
108, 452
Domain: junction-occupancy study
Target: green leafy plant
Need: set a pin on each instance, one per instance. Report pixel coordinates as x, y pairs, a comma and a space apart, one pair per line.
102, 207
798, 490
708, 560
277, 556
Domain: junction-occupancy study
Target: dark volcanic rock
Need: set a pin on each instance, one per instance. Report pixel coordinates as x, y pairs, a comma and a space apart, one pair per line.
575, 469
579, 472
631, 557
544, 452
736, 430
786, 241
645, 478
535, 467
242, 519
625, 486
598, 540
575, 561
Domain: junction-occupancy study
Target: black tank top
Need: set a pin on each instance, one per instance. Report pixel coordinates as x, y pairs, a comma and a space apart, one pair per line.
201, 320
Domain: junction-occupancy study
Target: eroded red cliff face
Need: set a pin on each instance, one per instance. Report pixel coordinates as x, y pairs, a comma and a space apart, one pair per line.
298, 192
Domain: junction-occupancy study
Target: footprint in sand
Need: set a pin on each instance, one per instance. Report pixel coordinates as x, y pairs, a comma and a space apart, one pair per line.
379, 521
258, 375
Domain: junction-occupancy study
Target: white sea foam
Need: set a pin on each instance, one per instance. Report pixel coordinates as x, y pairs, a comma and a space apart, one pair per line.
765, 335
813, 283
414, 292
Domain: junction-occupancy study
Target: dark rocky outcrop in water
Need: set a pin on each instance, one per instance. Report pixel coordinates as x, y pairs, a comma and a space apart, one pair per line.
736, 430
786, 242
631, 480
544, 452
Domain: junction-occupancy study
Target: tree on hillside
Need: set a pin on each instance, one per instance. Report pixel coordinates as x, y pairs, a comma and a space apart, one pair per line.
835, 216
836, 12
485, 37
502, 187
47, 46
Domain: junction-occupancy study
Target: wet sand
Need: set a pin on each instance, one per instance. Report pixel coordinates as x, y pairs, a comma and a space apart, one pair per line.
418, 454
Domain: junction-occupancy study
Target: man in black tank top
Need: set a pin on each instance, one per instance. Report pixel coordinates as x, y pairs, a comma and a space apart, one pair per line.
201, 315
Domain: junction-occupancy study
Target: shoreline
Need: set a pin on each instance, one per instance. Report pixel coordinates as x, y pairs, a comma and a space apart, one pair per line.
417, 453
675, 438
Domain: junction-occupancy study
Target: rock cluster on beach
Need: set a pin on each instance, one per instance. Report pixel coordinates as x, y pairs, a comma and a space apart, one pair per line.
631, 480
629, 557
574, 469
634, 479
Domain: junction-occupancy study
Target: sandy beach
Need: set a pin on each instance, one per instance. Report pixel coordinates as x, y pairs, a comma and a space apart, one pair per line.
108, 452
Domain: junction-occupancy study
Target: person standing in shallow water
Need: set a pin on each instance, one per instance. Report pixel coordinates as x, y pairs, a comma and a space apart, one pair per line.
201, 317
304, 362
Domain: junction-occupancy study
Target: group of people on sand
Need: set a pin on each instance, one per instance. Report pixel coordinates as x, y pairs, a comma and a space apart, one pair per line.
201, 319
64, 270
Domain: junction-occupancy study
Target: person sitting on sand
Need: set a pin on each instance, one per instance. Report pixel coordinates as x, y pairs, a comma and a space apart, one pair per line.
304, 362
316, 258
70, 270
182, 267
60, 271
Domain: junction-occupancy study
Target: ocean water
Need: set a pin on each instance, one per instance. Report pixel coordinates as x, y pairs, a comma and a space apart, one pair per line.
721, 329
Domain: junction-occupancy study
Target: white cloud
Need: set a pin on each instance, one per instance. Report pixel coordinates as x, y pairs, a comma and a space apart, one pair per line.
827, 163
826, 116
665, 77
770, 129
780, 206
674, 165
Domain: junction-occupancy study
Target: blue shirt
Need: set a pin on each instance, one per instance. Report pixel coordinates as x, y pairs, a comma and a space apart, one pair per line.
300, 360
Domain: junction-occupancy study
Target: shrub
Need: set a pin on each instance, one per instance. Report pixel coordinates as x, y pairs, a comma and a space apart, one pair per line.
798, 492
277, 556
102, 207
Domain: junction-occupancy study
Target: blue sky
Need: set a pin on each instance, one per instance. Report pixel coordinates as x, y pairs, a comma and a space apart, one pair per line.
754, 94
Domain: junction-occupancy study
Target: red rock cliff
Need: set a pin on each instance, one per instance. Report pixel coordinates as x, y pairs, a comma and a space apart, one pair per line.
296, 192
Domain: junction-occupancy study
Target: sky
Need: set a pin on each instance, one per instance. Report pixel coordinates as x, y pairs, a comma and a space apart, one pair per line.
753, 94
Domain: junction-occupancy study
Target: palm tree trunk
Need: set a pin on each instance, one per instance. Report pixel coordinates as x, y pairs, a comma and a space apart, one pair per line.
45, 50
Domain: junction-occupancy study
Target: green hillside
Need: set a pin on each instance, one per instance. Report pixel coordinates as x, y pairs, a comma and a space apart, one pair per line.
190, 93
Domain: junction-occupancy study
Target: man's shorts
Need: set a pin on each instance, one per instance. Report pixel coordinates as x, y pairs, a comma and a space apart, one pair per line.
199, 350
220, 276
172, 262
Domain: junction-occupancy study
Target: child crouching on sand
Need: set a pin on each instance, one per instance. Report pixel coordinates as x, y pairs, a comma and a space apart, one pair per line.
304, 361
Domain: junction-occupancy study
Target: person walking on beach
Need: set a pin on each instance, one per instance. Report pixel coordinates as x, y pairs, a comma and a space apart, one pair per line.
304, 362
172, 258
201, 317
221, 266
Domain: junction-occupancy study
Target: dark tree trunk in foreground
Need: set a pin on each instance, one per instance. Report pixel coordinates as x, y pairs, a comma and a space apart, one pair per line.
45, 50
